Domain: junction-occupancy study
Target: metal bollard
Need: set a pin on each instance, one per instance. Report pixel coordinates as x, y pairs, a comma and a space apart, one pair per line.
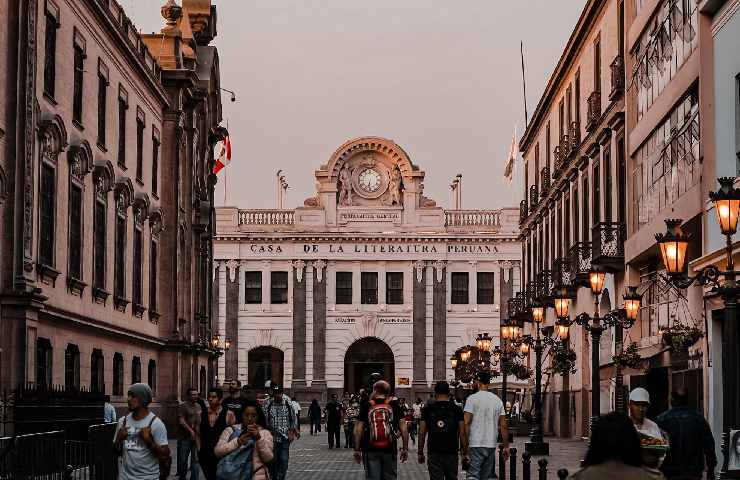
542, 471
512, 463
526, 465
563, 473
501, 463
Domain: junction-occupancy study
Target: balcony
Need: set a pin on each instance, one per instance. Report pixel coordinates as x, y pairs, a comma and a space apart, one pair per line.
580, 257
533, 196
545, 181
530, 292
565, 147
267, 217
617, 73
487, 219
608, 246
522, 211
545, 285
593, 113
563, 272
558, 161
574, 134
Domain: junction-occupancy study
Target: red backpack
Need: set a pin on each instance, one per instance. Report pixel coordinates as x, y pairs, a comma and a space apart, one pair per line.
380, 418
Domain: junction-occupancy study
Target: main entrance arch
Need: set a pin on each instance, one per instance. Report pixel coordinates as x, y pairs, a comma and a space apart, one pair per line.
363, 358
263, 364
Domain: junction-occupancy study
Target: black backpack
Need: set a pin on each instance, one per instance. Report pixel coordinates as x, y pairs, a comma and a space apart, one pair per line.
442, 418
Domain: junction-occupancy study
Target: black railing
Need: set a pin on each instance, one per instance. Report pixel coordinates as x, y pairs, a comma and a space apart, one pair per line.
580, 256
545, 181
516, 466
533, 196
563, 272
593, 113
608, 245
523, 210
617, 74
565, 147
558, 157
545, 285
574, 135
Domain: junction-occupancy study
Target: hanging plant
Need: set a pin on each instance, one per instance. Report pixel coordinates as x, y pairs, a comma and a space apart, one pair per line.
680, 337
563, 361
628, 358
521, 371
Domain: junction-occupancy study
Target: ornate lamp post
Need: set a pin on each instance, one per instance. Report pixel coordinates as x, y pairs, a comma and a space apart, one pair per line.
673, 245
537, 445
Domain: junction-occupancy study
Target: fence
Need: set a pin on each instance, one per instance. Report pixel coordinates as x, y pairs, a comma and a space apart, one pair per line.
51, 456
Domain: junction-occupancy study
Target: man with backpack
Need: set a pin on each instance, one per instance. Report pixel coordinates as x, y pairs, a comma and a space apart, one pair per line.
282, 423
141, 439
445, 423
377, 428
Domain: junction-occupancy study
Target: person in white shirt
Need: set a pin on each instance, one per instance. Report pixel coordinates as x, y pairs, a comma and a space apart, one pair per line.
297, 409
639, 404
484, 412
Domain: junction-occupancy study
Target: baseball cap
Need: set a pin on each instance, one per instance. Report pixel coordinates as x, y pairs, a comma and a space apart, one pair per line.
639, 394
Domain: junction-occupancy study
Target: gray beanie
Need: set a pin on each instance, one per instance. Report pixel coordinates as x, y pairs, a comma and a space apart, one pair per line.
142, 391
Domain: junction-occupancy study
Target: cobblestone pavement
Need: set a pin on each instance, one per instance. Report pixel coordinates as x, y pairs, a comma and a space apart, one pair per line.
311, 459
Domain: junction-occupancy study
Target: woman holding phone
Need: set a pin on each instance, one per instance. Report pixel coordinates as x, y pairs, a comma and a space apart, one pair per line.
253, 427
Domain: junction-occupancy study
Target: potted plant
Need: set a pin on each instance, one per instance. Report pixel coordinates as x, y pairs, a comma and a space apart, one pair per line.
563, 361
680, 337
628, 358
521, 371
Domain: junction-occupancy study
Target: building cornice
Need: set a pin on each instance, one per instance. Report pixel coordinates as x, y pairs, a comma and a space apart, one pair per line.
358, 237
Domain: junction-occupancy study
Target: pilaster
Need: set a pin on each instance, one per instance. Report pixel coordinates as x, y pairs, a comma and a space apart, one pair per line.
299, 324
419, 372
319, 324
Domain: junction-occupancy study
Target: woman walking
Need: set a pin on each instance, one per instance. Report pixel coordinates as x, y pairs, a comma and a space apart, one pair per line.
314, 416
253, 428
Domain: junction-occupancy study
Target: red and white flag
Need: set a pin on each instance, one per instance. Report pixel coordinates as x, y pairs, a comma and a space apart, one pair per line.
224, 155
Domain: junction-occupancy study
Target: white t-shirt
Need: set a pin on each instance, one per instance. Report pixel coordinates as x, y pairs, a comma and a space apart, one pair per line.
417, 410
486, 408
650, 429
137, 461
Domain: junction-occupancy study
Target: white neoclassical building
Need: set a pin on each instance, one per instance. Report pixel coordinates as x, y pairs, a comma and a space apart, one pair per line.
367, 276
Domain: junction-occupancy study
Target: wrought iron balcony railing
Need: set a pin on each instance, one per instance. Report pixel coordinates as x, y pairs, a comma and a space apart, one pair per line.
580, 256
608, 245
617, 74
545, 285
522, 210
563, 272
557, 154
533, 196
593, 113
574, 134
565, 147
545, 181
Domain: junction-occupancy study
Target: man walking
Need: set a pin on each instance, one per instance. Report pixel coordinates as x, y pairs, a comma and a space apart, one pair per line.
109, 412
141, 439
445, 423
351, 410
333, 411
692, 443
213, 422
282, 423
188, 439
235, 401
483, 412
376, 434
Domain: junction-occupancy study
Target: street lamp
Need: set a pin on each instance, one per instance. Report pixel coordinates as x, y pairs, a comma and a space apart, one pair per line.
216, 340
596, 278
562, 302
673, 245
727, 205
483, 342
538, 313
453, 362
632, 301
563, 331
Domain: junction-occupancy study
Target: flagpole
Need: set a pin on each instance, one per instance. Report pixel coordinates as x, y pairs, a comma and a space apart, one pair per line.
524, 86
225, 204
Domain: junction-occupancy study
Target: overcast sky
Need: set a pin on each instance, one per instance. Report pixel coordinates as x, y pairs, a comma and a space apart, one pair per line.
440, 78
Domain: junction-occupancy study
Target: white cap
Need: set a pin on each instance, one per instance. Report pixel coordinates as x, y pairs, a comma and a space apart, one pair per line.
639, 394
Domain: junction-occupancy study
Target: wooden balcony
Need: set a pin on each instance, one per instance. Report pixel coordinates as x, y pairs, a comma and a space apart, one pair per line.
580, 257
617, 77
608, 246
593, 113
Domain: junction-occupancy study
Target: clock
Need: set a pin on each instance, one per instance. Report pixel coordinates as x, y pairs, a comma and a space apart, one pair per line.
369, 180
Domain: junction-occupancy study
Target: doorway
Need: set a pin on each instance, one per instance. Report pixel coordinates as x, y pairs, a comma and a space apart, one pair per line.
265, 364
365, 357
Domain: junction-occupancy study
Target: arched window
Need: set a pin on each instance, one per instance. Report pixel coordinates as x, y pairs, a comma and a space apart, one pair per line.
151, 375
43, 362
135, 370
72, 367
118, 374
97, 371
265, 363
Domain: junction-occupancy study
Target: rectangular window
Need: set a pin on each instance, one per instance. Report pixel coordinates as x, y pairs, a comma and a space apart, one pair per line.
155, 165
621, 182
586, 226
253, 287
460, 286
119, 288
485, 288
75, 231
278, 287
566, 213
576, 236
136, 370
137, 295
102, 99
43, 362
537, 166
47, 214
122, 107
568, 107
139, 149
344, 288
548, 145
561, 119
153, 269
394, 288
369, 288
607, 161
97, 371
99, 248
597, 65
50, 54
79, 76
151, 377
72, 367
118, 374
597, 194
577, 99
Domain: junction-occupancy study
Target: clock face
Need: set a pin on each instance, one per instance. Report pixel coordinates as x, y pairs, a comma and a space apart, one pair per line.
369, 180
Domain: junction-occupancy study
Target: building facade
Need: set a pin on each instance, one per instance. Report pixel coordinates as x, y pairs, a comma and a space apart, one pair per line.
369, 275
91, 130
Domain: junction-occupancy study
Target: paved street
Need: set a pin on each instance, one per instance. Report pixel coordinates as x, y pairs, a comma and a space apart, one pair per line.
311, 459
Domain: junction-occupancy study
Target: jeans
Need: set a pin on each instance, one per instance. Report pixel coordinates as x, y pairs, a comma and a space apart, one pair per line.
186, 449
315, 425
281, 457
442, 466
482, 463
381, 466
349, 441
333, 430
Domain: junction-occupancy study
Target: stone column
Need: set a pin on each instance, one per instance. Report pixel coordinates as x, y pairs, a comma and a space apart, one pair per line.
439, 352
381, 286
473, 292
221, 316
419, 332
319, 324
231, 325
299, 324
331, 284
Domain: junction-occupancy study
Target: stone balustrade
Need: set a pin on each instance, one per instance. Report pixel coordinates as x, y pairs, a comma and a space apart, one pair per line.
267, 217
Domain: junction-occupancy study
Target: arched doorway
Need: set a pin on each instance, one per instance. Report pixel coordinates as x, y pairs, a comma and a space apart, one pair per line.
365, 357
265, 363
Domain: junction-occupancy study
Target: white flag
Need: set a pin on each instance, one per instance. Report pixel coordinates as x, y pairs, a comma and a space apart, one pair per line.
511, 161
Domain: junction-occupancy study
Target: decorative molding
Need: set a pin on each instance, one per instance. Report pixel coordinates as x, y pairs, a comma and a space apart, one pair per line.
439, 267
48, 274
138, 310
100, 295
75, 286
231, 265
299, 265
318, 267
120, 303
419, 266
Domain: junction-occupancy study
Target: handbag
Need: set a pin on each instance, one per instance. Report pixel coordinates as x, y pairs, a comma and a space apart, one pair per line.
238, 464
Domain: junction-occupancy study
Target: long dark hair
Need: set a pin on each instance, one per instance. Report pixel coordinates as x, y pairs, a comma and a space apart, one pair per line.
261, 420
614, 437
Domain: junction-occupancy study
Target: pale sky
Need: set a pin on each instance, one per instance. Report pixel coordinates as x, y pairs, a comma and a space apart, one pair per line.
441, 78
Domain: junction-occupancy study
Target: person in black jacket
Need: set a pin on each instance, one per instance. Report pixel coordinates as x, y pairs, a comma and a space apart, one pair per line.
314, 417
691, 440
214, 420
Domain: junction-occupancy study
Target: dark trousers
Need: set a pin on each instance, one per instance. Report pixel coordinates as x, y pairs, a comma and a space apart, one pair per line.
208, 462
349, 441
280, 459
442, 466
333, 431
315, 425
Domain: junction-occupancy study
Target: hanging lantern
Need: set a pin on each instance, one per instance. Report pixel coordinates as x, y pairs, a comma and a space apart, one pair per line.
484, 342
673, 245
632, 301
726, 205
